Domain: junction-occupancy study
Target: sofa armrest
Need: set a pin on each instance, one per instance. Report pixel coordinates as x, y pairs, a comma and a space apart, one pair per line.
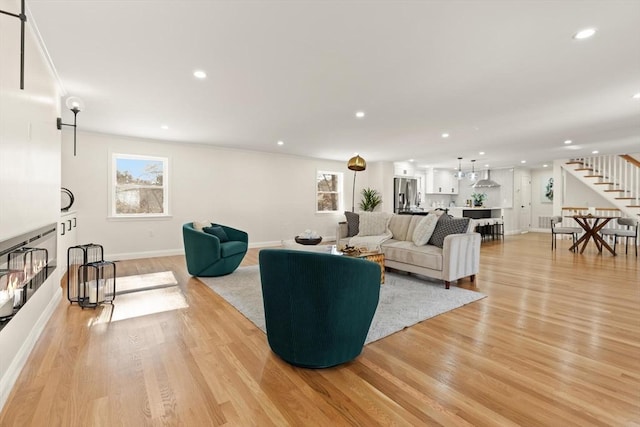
460, 256
341, 231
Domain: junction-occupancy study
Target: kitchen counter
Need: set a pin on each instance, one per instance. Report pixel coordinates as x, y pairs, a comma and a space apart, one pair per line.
476, 212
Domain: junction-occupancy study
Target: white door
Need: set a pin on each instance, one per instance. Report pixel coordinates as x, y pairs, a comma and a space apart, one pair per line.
525, 203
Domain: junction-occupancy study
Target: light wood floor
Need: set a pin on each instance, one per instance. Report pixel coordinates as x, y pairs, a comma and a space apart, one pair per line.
555, 343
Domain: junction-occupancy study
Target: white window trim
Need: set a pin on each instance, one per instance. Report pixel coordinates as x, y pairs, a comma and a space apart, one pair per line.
112, 190
340, 191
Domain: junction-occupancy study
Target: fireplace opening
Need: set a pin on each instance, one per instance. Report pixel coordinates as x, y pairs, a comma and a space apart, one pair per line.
26, 261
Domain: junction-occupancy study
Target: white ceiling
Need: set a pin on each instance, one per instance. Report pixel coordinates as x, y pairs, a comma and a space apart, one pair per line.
503, 77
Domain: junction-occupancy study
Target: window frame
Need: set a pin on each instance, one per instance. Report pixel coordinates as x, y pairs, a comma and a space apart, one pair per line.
114, 185
339, 192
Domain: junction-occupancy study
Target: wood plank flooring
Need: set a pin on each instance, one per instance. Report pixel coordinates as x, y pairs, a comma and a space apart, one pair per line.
555, 343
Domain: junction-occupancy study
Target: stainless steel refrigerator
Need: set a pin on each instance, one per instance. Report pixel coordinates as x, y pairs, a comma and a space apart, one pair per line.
405, 195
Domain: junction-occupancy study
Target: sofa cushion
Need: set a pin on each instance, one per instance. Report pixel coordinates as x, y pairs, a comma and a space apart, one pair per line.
217, 231
406, 252
374, 223
232, 248
424, 229
353, 222
199, 225
398, 225
447, 225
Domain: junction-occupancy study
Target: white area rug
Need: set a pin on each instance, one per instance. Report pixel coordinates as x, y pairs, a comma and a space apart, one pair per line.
404, 300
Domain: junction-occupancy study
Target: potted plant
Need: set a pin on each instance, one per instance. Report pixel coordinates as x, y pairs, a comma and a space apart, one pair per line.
478, 198
370, 199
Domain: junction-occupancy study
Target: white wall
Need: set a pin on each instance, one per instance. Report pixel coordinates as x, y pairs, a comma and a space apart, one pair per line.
271, 196
29, 177
540, 207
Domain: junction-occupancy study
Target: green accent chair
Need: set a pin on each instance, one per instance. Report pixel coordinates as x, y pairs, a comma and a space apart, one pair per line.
207, 256
318, 307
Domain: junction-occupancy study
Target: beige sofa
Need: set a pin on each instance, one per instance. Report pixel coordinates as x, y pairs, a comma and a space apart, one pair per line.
458, 258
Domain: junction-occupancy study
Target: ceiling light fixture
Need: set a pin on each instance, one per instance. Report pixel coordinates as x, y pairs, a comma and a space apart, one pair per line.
568, 141
200, 74
523, 161
636, 95
481, 153
23, 18
584, 34
280, 143
76, 105
459, 174
445, 135
360, 114
164, 127
545, 166
595, 152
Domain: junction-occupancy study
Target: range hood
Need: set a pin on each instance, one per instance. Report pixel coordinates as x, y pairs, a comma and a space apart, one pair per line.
486, 182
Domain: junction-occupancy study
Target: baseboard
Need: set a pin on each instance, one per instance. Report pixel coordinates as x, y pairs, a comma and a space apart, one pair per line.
144, 254
180, 251
15, 367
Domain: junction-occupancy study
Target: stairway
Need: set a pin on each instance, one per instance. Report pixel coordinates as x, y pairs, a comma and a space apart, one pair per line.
615, 177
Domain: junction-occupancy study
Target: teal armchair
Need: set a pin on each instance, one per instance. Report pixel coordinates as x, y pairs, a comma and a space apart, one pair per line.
318, 307
207, 256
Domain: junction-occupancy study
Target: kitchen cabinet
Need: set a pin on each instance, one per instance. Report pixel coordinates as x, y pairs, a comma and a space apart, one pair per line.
441, 181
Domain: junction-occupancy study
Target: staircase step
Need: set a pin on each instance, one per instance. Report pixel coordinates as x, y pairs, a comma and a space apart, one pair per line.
625, 198
594, 176
603, 183
633, 206
616, 191
583, 169
574, 162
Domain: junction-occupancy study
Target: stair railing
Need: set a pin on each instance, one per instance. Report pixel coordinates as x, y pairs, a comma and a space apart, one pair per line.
622, 171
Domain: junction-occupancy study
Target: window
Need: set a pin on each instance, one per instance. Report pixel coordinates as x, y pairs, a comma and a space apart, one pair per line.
139, 186
329, 191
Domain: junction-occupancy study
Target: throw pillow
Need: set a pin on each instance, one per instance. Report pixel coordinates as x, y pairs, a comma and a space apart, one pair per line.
217, 231
199, 225
425, 227
447, 225
353, 223
374, 223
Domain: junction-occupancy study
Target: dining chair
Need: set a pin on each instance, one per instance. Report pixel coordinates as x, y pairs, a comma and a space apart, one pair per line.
555, 230
629, 232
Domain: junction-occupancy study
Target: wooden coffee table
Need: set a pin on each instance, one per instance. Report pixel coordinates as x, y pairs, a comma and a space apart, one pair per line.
377, 257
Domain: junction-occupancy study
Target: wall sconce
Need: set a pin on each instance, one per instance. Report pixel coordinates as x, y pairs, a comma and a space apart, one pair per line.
76, 105
23, 18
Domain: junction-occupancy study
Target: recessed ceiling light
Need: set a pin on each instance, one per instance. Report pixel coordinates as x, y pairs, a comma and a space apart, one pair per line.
523, 161
568, 141
481, 153
545, 166
280, 142
359, 114
200, 74
595, 152
411, 160
584, 34
164, 127
445, 135
636, 96
487, 165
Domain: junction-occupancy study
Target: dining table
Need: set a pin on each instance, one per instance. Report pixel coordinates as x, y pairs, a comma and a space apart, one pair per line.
592, 224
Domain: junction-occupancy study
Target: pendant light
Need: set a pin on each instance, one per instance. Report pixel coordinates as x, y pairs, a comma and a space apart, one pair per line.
459, 174
473, 176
